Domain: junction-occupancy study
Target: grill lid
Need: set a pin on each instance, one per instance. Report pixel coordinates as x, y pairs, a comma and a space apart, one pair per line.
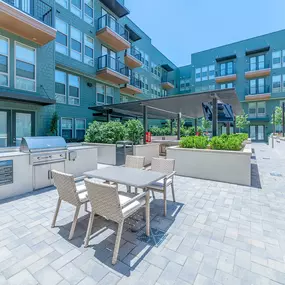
48, 143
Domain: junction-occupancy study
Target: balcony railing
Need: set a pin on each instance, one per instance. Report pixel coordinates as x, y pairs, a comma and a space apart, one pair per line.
225, 72
35, 8
258, 66
107, 61
135, 82
109, 21
262, 89
135, 53
165, 79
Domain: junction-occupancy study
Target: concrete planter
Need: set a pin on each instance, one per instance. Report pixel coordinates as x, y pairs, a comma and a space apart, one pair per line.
168, 138
147, 150
218, 165
106, 153
278, 144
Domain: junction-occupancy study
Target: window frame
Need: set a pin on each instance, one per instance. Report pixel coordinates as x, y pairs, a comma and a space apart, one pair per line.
8, 62
106, 95
74, 8
15, 67
277, 90
86, 15
60, 3
76, 129
205, 68
57, 94
260, 115
84, 55
72, 123
277, 65
78, 98
73, 50
100, 103
67, 38
210, 77
199, 79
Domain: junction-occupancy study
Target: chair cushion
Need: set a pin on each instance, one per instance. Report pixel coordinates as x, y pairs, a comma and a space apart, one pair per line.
83, 197
125, 197
160, 183
80, 187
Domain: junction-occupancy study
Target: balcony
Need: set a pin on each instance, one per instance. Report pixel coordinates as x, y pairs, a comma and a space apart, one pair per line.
166, 83
255, 71
133, 58
112, 70
225, 75
134, 87
28, 19
112, 33
258, 93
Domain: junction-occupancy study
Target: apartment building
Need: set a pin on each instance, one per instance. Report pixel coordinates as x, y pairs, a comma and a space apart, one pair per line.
67, 55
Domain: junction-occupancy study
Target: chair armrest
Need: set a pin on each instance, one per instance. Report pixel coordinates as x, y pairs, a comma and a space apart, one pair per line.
134, 199
81, 191
170, 175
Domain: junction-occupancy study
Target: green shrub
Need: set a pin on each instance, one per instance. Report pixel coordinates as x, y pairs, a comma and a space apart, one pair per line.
194, 142
134, 131
228, 142
112, 132
93, 133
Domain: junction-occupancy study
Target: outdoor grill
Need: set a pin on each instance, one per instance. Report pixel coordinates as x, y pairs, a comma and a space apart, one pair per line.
46, 153
44, 149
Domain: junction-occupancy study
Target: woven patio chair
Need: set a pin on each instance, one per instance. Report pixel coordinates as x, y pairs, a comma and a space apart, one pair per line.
108, 202
165, 166
70, 193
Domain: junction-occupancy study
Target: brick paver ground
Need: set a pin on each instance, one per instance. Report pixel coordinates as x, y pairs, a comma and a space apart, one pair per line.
216, 233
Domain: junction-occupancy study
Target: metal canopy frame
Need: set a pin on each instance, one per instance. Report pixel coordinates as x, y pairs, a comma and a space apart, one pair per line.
174, 107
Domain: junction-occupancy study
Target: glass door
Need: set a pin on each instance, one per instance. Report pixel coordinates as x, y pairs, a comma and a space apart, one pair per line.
252, 133
113, 60
4, 128
23, 125
260, 133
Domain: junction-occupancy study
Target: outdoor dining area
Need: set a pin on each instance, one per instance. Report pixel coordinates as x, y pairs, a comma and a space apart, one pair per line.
104, 199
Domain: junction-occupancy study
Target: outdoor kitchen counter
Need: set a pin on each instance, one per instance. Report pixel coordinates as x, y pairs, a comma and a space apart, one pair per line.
11, 153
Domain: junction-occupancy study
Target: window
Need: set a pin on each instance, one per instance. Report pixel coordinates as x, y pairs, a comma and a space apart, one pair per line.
152, 67
205, 87
63, 3
283, 58
182, 84
146, 60
158, 71
226, 68
211, 71
88, 50
25, 67
261, 112
276, 59
223, 69
276, 83
100, 94
66, 127
187, 84
230, 67
261, 61
109, 95
257, 62
88, 12
212, 87
283, 82
61, 36
227, 85
252, 63
145, 84
204, 73
80, 126
223, 86
4, 59
75, 7
142, 56
75, 43
151, 89
60, 86
257, 86
198, 74
74, 90
252, 110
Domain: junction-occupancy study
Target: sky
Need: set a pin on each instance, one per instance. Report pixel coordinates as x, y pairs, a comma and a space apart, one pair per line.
181, 27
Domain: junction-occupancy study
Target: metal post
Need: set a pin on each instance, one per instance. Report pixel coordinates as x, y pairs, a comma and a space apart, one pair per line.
234, 125
214, 119
283, 119
273, 119
196, 124
171, 126
228, 128
108, 114
178, 125
144, 123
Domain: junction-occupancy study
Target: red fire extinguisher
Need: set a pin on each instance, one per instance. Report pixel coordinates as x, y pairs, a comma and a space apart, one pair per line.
148, 137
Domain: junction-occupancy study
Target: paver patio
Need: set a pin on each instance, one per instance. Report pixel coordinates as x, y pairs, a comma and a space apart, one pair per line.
216, 233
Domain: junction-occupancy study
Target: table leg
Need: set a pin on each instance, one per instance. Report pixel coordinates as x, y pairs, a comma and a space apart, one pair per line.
147, 213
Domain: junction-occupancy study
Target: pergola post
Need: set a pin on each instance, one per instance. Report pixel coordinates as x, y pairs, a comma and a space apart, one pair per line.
108, 114
215, 117
283, 119
228, 128
274, 128
178, 125
196, 125
234, 125
144, 123
171, 126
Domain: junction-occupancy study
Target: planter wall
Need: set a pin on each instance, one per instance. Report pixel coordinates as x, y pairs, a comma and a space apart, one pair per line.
148, 151
163, 138
278, 144
218, 165
106, 153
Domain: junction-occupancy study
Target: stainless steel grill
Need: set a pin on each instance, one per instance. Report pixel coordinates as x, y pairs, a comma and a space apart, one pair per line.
44, 149
46, 154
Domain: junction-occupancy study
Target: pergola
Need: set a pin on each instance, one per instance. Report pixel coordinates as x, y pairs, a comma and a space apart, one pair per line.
174, 107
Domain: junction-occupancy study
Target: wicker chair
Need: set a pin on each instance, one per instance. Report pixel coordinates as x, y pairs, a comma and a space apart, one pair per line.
165, 166
108, 202
70, 193
133, 161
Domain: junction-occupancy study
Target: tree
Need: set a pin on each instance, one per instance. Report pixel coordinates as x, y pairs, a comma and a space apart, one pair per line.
53, 124
242, 121
278, 116
134, 131
205, 124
